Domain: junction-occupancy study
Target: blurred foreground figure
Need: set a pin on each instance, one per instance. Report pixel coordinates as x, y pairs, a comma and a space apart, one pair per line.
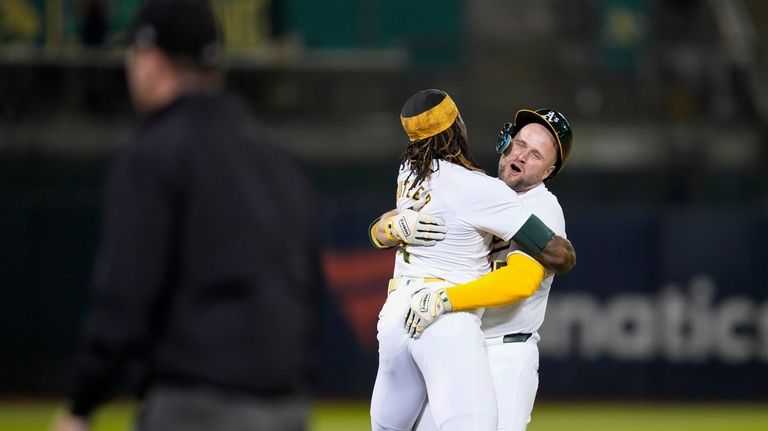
199, 299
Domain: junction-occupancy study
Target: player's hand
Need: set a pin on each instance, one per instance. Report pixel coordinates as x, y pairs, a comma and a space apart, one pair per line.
426, 306
415, 228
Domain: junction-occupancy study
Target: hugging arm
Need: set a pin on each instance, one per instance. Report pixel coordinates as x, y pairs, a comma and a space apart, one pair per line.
539, 241
558, 255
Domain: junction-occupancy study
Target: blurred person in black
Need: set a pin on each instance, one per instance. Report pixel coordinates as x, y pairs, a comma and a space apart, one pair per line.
199, 299
93, 22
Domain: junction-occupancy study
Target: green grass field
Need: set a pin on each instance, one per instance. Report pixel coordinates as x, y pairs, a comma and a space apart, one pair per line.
353, 416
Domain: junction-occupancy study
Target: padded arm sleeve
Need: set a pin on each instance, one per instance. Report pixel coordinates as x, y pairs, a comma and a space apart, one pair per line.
518, 280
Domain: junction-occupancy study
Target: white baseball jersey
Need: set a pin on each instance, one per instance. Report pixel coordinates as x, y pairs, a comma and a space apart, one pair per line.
526, 316
475, 207
514, 366
448, 363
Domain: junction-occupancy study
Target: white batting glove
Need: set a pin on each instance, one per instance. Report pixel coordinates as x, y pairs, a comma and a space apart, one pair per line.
415, 228
426, 306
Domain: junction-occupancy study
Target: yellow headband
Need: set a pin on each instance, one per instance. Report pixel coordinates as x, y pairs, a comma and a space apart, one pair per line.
431, 122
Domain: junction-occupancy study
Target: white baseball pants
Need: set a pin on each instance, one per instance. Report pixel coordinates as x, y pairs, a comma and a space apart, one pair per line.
448, 363
515, 373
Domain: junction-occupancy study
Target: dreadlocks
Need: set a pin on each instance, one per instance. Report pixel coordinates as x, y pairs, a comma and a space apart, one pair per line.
449, 145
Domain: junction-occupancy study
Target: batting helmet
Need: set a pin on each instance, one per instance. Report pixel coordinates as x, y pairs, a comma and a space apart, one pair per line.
554, 121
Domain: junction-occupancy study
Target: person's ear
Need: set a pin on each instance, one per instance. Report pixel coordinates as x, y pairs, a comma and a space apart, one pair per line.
548, 171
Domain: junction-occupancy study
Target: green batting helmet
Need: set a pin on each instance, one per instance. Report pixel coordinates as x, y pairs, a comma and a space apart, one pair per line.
554, 121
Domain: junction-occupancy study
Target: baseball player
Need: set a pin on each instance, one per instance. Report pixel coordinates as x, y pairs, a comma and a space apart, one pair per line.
533, 150
449, 364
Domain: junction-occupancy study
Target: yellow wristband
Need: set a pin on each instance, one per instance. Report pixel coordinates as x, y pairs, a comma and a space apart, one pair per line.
372, 236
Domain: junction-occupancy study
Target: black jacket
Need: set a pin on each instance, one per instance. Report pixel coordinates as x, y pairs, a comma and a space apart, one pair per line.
209, 263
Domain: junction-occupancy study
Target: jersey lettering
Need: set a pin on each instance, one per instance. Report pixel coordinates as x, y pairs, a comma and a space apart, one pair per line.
403, 191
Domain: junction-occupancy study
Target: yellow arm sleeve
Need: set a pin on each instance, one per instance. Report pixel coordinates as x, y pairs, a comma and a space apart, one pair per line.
518, 280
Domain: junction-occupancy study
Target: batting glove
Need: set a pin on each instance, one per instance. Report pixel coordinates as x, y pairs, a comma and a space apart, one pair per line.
426, 306
415, 228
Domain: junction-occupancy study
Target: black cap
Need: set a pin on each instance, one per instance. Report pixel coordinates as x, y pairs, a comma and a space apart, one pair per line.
184, 29
428, 113
422, 101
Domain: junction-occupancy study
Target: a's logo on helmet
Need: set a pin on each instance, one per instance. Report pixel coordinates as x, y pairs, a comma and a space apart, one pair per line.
551, 117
